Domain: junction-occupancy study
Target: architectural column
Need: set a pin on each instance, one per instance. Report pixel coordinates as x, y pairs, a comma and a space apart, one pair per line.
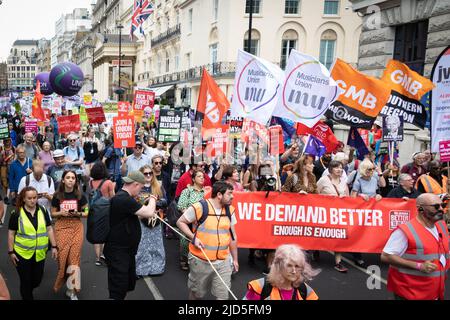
178, 101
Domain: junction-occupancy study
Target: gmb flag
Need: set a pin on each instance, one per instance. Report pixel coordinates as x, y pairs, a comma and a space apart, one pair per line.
307, 90
407, 87
257, 87
362, 100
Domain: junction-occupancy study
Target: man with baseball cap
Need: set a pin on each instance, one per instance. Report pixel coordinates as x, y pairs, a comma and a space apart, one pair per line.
56, 170
125, 235
135, 161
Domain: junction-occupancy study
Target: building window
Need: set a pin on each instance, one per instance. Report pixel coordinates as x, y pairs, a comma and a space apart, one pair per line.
331, 7
256, 6
159, 65
254, 45
213, 57
291, 6
327, 48
177, 62
190, 19
410, 44
289, 42
215, 10
167, 62
188, 60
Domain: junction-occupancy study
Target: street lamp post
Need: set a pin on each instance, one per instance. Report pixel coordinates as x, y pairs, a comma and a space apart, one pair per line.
120, 91
92, 46
250, 22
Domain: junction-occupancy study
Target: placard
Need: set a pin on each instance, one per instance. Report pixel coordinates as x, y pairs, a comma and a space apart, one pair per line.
392, 128
444, 150
4, 128
68, 124
124, 132
169, 125
95, 115
31, 126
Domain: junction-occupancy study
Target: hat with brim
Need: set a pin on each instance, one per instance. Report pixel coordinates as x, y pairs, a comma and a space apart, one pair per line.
58, 153
134, 176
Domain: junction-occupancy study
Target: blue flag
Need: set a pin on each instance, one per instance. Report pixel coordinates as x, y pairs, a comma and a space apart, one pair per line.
355, 140
314, 147
288, 126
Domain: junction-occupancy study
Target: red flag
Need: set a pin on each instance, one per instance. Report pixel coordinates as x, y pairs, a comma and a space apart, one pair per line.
212, 106
322, 132
36, 106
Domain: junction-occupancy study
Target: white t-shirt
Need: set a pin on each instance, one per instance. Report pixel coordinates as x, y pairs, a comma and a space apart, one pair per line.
398, 243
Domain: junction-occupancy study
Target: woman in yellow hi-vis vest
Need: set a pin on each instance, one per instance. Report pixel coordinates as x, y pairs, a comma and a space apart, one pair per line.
30, 231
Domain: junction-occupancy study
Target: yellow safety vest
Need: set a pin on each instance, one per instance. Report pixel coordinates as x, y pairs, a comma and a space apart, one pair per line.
28, 240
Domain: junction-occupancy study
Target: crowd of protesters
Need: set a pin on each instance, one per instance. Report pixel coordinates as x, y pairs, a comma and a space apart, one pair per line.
48, 176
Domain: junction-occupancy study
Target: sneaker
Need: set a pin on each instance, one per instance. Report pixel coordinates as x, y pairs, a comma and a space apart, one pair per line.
71, 295
340, 267
103, 258
98, 263
360, 263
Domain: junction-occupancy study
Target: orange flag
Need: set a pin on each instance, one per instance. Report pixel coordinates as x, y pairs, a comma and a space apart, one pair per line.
36, 106
212, 107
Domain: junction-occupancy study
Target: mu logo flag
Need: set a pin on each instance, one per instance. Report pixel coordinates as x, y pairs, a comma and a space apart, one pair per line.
36, 106
212, 107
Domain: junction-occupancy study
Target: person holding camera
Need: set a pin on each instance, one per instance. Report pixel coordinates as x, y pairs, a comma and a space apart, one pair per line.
30, 232
69, 205
418, 253
151, 256
41, 182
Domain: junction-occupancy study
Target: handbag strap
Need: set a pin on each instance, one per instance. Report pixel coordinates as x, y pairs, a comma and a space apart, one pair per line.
335, 188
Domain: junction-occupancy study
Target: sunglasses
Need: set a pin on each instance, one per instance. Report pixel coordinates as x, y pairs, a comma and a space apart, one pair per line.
73, 140
148, 174
436, 205
157, 163
371, 169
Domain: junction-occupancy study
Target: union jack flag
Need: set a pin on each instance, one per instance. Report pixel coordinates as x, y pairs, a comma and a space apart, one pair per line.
142, 9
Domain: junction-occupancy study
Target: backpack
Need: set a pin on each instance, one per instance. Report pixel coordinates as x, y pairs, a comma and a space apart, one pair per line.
267, 289
173, 213
27, 181
98, 227
205, 214
78, 152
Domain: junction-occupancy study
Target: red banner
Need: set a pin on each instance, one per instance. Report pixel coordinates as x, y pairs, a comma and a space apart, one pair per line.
123, 108
68, 124
317, 222
124, 132
95, 115
143, 99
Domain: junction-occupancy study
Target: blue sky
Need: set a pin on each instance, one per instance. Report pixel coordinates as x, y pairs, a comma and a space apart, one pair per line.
32, 19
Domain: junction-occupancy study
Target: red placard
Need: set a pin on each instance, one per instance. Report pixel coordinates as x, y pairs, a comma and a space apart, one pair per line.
143, 99
123, 108
68, 124
318, 222
95, 115
124, 132
444, 150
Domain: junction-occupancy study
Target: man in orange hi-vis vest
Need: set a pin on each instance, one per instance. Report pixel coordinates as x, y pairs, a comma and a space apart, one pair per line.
213, 238
434, 181
418, 253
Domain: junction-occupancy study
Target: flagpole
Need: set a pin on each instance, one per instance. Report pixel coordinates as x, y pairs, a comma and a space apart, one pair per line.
306, 144
250, 27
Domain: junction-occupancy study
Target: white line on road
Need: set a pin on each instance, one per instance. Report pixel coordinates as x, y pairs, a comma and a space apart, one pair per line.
378, 278
153, 288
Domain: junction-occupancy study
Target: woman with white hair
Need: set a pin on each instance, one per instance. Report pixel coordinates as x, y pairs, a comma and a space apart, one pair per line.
286, 280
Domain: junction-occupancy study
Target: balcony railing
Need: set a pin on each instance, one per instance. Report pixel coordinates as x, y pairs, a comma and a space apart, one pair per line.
219, 69
166, 36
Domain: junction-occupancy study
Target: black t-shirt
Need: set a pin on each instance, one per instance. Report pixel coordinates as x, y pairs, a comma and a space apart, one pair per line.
125, 228
14, 219
318, 169
399, 192
70, 202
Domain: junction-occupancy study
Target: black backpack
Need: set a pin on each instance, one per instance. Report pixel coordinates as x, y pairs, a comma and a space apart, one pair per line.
173, 213
98, 227
267, 289
27, 181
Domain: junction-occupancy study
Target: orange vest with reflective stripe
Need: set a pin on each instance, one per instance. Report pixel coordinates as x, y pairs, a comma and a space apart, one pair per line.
431, 185
258, 285
413, 284
214, 233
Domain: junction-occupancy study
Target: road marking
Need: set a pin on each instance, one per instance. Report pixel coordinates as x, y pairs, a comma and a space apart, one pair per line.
361, 269
153, 288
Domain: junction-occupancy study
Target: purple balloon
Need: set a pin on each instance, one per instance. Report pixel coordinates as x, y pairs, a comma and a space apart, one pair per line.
44, 79
66, 79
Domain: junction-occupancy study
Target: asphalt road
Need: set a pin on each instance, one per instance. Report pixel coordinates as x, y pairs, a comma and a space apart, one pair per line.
172, 285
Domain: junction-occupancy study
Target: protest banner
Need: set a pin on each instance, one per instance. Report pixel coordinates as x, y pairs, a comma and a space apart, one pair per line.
123, 128
440, 100
123, 108
169, 125
68, 124
95, 115
87, 99
276, 140
392, 128
235, 126
257, 87
407, 87
212, 107
317, 222
307, 90
142, 99
4, 128
444, 150
31, 126
362, 100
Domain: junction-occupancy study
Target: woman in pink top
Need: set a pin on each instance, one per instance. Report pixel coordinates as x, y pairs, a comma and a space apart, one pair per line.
46, 155
99, 175
231, 175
